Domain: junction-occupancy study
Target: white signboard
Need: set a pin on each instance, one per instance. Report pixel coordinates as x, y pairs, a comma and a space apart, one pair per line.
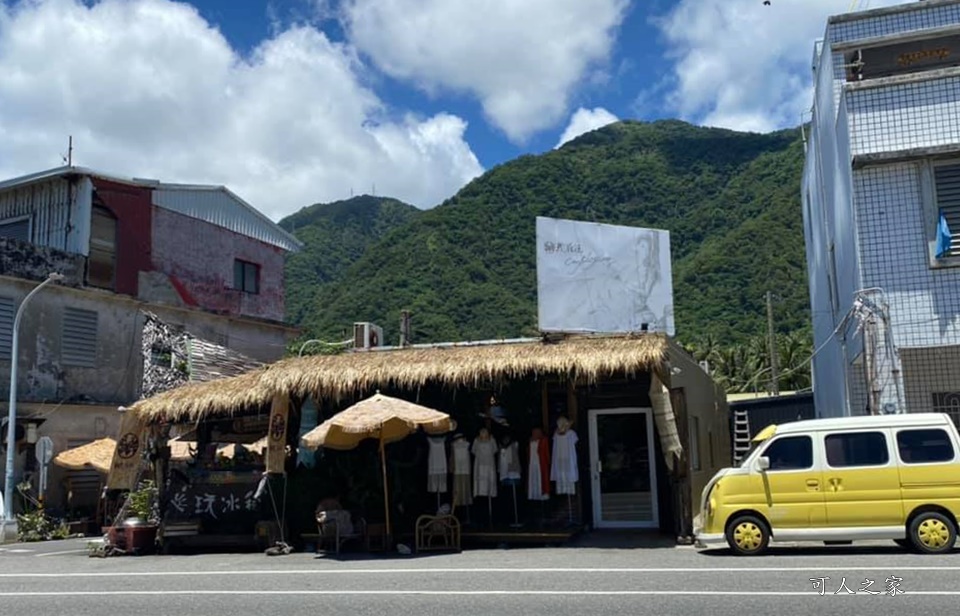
596, 278
44, 449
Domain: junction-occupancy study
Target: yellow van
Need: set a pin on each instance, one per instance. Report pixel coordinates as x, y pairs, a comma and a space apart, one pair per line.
839, 480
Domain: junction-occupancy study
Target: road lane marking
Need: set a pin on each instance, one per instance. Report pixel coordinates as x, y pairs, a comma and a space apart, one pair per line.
63, 552
554, 593
416, 571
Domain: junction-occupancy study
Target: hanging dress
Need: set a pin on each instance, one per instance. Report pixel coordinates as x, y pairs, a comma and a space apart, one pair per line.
485, 467
460, 467
510, 464
437, 464
538, 466
564, 470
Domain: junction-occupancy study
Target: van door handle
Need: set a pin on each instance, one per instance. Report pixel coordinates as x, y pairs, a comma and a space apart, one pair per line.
813, 484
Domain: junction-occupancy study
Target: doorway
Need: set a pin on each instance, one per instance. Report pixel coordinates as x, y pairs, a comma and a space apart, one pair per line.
622, 467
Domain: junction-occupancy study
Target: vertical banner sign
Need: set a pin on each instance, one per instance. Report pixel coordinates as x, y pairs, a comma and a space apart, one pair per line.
129, 453
596, 278
277, 434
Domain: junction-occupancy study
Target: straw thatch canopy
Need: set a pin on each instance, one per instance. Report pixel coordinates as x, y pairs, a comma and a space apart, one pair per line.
193, 401
451, 365
97, 455
335, 376
382, 417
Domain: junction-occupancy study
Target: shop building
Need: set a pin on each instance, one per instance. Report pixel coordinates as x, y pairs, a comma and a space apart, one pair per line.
648, 428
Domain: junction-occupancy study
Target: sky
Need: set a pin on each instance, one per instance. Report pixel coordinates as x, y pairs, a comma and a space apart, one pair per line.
294, 102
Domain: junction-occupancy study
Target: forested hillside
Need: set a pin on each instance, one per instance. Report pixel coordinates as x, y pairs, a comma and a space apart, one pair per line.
467, 268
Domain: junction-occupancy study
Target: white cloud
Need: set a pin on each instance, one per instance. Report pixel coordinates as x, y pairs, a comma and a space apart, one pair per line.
522, 59
585, 120
741, 64
148, 88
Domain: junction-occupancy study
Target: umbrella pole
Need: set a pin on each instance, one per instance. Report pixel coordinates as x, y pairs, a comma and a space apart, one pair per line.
386, 492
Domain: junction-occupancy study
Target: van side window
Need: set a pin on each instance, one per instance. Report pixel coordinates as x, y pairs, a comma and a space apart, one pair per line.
924, 445
790, 453
857, 449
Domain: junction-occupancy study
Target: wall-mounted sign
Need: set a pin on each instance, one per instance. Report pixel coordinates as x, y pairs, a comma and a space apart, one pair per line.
902, 58
597, 278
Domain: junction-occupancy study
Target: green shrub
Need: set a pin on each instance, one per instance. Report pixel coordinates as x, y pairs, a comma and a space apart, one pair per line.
38, 526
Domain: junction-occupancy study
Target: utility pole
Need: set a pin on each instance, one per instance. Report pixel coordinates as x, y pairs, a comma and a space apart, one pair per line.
772, 340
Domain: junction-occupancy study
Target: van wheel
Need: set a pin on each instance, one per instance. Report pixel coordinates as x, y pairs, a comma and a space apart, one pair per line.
932, 533
748, 535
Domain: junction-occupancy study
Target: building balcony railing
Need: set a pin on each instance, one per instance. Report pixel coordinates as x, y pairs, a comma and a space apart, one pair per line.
906, 113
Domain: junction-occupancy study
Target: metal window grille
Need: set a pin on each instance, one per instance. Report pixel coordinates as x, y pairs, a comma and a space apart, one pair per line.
948, 402
897, 117
922, 18
924, 301
78, 345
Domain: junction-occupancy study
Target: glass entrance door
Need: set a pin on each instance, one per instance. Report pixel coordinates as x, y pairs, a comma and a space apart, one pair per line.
622, 467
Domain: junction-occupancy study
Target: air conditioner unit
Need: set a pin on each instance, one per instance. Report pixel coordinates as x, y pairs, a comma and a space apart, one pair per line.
367, 336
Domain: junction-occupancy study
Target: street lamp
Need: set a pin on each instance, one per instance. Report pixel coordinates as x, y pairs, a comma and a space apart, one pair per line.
12, 414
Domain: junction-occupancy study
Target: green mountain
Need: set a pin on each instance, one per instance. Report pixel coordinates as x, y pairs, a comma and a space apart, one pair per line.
467, 268
335, 235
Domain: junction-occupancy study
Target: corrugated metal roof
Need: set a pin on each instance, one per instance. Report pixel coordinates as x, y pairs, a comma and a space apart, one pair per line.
214, 204
218, 206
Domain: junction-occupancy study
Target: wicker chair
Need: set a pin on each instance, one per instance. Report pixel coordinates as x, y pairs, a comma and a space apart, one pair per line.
329, 530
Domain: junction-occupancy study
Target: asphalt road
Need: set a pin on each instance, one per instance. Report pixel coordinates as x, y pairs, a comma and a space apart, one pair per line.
59, 578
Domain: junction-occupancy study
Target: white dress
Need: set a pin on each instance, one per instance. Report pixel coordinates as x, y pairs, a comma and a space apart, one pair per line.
437, 465
510, 462
534, 477
563, 467
485, 467
460, 461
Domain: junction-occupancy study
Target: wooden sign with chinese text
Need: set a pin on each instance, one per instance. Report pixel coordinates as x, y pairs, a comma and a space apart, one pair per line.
902, 58
277, 434
128, 455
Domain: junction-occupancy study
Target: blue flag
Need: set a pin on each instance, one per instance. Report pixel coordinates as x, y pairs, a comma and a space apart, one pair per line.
943, 237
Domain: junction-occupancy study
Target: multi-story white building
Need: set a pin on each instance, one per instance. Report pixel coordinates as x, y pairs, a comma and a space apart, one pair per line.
881, 210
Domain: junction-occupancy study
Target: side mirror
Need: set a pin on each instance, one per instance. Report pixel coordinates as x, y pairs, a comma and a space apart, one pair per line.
763, 463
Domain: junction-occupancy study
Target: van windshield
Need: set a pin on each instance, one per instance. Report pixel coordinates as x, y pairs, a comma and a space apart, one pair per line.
754, 445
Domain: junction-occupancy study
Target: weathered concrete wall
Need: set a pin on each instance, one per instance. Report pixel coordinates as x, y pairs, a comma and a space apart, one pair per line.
41, 375
22, 260
66, 425
200, 257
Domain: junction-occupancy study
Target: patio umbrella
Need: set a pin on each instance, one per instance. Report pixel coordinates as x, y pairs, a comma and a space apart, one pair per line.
378, 417
97, 454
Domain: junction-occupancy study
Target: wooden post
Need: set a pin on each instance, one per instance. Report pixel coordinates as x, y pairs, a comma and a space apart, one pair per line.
386, 490
544, 406
572, 402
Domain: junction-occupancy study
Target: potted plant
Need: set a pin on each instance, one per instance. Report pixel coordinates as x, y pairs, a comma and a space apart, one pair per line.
140, 528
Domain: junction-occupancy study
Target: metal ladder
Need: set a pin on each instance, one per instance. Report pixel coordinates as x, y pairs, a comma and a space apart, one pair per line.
741, 435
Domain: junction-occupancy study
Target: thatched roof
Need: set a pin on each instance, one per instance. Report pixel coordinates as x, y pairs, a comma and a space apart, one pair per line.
97, 455
453, 365
192, 401
333, 376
